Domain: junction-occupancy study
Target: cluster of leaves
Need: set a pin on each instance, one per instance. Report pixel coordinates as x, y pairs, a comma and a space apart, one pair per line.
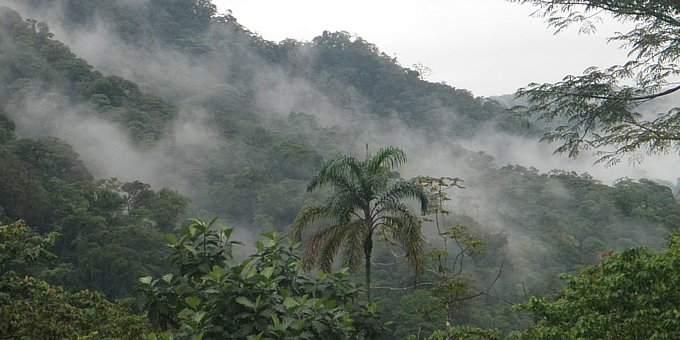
265, 296
33, 308
463, 332
19, 245
629, 295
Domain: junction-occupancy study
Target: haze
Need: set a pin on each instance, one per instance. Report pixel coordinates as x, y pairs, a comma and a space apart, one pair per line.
490, 47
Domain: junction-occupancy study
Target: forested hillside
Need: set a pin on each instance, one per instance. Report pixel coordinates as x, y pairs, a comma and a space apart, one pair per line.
119, 120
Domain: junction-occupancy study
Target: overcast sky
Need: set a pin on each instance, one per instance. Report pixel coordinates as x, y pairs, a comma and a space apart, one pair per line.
490, 47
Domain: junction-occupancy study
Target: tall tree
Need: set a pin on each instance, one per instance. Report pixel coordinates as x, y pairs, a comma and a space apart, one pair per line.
366, 200
602, 108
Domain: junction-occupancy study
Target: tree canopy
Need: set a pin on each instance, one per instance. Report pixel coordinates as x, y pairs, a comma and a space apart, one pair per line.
631, 295
610, 109
31, 308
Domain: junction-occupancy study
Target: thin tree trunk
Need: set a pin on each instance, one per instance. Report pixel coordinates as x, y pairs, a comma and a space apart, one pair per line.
368, 248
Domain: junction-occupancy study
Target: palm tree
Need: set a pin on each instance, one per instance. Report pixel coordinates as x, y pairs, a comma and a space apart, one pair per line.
366, 200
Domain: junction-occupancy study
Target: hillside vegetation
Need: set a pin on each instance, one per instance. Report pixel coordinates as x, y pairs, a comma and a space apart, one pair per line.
121, 119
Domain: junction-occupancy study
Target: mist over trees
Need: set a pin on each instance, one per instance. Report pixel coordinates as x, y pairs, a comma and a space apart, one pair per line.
120, 119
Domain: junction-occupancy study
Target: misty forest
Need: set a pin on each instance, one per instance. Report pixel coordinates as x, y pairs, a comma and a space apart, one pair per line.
166, 173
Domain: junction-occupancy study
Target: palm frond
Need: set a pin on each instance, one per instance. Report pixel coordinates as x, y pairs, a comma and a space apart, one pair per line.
387, 158
309, 214
342, 209
337, 171
404, 189
406, 230
354, 244
324, 246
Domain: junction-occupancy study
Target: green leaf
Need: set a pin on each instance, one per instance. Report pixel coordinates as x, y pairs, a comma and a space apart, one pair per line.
168, 278
216, 273
251, 272
228, 232
267, 272
199, 316
259, 245
191, 249
171, 238
242, 300
258, 301
276, 322
192, 231
346, 319
289, 303
192, 302
270, 235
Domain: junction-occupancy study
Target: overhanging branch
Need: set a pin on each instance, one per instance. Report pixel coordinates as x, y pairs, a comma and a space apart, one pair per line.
638, 98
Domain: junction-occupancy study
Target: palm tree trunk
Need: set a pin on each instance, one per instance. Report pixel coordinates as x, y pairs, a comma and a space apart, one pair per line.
368, 249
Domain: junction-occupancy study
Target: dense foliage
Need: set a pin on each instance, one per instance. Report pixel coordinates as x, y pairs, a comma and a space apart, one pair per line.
629, 295
31, 308
267, 295
239, 127
111, 231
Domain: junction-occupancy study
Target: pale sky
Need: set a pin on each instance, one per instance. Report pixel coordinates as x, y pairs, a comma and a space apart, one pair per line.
490, 47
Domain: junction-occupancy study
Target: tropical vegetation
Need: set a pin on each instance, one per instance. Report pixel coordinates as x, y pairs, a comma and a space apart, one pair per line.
105, 155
